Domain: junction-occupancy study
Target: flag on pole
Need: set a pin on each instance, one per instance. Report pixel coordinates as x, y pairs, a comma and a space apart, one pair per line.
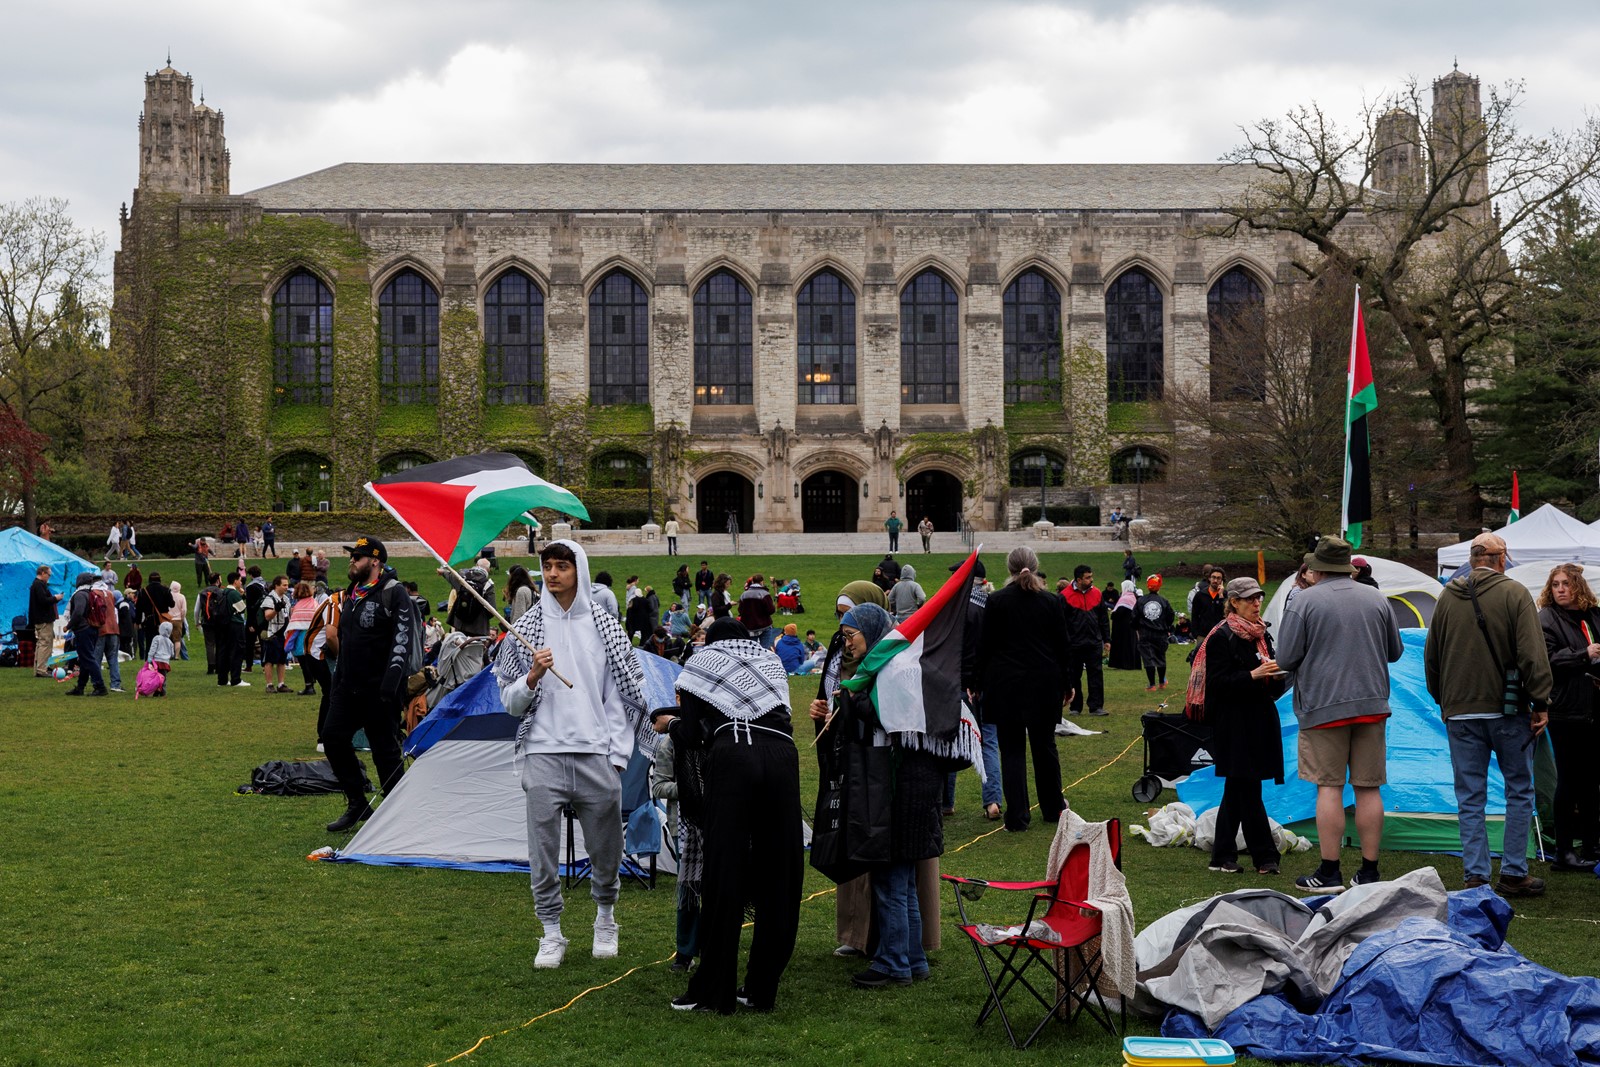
1516, 501
915, 674
1362, 398
459, 505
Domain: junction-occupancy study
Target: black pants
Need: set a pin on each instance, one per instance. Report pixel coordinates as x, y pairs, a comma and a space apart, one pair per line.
348, 711
1241, 806
1015, 739
209, 638
894, 540
1577, 800
1153, 653
753, 854
1086, 659
315, 671
230, 647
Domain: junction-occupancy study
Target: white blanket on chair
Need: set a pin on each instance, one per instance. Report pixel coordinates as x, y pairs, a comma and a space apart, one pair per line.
1108, 891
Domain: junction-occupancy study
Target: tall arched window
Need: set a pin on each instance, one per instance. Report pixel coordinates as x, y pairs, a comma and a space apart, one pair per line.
302, 341
395, 462
618, 470
930, 341
513, 340
826, 352
1138, 464
619, 341
1238, 337
724, 371
1134, 350
408, 340
1032, 339
302, 481
1027, 468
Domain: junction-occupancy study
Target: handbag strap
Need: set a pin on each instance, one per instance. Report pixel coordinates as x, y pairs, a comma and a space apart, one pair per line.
1483, 624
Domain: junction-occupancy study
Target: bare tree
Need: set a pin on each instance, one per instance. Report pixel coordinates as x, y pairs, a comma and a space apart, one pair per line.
51, 312
1418, 205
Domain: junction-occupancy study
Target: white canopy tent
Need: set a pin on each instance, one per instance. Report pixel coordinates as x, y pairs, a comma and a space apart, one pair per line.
1546, 534
1396, 581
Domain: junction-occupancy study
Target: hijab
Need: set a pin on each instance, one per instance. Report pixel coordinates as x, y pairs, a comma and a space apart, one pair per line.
1130, 595
873, 622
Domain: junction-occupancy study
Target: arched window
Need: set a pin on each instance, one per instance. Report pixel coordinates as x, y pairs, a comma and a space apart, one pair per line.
408, 340
1238, 337
1028, 467
1032, 339
826, 352
534, 461
1134, 350
930, 341
618, 470
395, 462
302, 481
723, 329
513, 340
1138, 464
302, 341
619, 341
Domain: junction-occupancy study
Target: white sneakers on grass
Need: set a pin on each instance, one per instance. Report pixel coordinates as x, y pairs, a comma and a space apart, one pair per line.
552, 950
605, 941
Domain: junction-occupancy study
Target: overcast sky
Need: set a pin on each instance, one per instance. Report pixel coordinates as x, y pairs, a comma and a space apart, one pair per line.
306, 85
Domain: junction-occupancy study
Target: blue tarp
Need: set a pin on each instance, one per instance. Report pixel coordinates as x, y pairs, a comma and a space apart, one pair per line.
1420, 778
21, 555
1427, 992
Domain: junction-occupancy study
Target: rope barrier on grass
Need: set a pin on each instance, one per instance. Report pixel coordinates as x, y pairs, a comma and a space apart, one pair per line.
804, 900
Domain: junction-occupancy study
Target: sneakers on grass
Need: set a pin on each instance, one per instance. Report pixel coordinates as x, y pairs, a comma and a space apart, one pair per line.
552, 950
1320, 881
605, 941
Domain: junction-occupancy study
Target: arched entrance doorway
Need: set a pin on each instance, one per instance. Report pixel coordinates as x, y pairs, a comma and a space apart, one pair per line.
722, 492
829, 503
936, 494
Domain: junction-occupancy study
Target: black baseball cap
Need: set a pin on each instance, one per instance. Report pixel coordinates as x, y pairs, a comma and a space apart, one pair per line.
368, 546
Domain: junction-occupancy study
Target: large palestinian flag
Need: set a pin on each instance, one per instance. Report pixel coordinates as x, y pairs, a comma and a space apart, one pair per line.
1363, 400
458, 506
915, 674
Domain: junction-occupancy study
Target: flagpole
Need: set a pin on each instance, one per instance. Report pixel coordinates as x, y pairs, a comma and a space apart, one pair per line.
1349, 387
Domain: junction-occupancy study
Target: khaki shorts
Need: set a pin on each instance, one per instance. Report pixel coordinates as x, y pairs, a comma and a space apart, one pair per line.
1325, 754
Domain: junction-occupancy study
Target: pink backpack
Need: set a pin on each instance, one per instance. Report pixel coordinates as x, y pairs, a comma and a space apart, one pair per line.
151, 682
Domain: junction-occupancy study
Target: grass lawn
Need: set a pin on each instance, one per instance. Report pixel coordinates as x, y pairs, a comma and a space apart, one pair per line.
156, 917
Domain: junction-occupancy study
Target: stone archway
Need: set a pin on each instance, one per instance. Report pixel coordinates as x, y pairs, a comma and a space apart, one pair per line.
722, 492
830, 502
936, 494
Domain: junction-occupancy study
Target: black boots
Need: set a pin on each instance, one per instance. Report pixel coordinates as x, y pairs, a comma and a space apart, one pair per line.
356, 812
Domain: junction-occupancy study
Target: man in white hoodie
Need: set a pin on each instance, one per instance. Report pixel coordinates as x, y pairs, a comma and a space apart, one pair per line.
575, 739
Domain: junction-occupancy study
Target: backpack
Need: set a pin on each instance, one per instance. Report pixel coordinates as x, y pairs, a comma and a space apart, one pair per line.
287, 778
400, 606
327, 615
213, 607
102, 610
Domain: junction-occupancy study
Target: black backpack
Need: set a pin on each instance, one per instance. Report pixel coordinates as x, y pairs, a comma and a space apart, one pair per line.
285, 778
213, 607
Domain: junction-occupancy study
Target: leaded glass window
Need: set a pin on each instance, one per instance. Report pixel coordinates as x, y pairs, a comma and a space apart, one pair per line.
930, 341
1032, 339
302, 341
302, 481
408, 340
619, 341
1238, 357
513, 340
1134, 349
826, 350
724, 364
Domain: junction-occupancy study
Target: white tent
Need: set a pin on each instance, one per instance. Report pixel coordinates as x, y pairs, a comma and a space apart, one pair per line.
1411, 592
1548, 533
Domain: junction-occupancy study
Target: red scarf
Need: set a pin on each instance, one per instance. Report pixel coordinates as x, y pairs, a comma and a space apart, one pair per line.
1195, 695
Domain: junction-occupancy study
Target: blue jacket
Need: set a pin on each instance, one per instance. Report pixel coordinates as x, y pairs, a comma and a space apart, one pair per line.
792, 651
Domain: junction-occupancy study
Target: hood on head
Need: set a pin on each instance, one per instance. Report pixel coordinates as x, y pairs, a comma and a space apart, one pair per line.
175, 587
908, 573
87, 578
582, 602
165, 630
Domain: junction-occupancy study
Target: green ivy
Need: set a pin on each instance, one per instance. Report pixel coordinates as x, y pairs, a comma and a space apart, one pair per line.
300, 420
1036, 417
414, 421
917, 446
620, 420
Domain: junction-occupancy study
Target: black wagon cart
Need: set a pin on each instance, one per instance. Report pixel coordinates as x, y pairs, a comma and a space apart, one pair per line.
1175, 746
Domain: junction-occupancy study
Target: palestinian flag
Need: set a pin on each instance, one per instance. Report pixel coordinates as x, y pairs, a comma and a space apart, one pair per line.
915, 674
458, 506
1363, 400
1516, 501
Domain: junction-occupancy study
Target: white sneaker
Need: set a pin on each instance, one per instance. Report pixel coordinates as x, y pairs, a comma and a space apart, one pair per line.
241, 685
605, 941
552, 950
320, 748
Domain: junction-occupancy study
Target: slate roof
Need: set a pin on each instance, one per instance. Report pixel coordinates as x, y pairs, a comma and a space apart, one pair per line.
756, 187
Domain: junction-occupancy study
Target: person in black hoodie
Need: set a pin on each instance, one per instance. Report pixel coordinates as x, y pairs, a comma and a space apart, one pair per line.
1570, 619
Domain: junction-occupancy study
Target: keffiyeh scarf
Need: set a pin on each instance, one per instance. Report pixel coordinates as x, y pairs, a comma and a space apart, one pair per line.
739, 678
513, 661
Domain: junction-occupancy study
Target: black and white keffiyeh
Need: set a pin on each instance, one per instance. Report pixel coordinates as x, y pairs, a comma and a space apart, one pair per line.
739, 678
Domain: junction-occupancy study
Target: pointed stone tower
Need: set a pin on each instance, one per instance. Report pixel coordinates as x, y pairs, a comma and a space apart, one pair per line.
1397, 147
181, 146
1458, 148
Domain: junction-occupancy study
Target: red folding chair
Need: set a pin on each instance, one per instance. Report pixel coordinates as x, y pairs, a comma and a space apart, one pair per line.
1062, 972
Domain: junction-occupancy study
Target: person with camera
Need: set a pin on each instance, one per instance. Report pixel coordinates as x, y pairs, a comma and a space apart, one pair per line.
1488, 668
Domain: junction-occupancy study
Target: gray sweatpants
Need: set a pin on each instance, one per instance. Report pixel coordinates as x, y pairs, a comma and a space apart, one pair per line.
593, 788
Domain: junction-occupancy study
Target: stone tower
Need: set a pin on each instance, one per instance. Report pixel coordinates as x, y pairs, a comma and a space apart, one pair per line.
1458, 148
1397, 153
181, 146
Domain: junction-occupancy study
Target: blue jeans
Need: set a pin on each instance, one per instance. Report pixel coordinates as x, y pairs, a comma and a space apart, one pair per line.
991, 764
86, 643
894, 902
110, 645
1471, 741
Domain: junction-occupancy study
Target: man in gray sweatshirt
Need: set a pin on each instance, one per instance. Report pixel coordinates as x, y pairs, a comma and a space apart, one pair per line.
1338, 640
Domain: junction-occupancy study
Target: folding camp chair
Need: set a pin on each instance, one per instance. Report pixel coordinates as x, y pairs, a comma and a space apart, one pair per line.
1057, 962
575, 870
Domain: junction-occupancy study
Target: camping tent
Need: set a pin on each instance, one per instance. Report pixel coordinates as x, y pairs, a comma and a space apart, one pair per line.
1547, 533
1411, 594
21, 555
1419, 802
461, 805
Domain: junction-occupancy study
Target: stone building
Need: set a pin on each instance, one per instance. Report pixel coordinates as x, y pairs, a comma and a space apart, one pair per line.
804, 347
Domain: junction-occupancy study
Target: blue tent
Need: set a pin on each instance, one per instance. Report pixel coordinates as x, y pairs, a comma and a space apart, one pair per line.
21, 555
1419, 802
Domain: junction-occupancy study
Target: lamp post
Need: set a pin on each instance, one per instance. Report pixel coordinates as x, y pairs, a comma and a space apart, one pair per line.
1139, 461
650, 489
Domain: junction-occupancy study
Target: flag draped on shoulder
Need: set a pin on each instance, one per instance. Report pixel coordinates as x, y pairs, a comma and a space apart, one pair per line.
1362, 400
1516, 501
457, 506
915, 675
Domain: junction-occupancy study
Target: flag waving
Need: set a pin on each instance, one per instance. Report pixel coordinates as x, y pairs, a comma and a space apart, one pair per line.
1516, 501
915, 675
1362, 397
459, 505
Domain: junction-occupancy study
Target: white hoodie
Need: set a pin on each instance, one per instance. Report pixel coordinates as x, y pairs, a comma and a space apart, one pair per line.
590, 717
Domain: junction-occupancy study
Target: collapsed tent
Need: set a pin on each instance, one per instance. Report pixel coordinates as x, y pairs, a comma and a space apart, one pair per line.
1547, 533
21, 556
461, 803
1412, 594
1419, 803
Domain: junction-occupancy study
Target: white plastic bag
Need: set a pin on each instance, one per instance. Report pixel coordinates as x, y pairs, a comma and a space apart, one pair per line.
1172, 825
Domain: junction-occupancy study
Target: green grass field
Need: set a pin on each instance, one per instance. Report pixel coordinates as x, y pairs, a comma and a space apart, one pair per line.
155, 917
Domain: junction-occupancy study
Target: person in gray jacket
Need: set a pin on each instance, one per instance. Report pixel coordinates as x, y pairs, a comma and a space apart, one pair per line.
906, 596
1338, 641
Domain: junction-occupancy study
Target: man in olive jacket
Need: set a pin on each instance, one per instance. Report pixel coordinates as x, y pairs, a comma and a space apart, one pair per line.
1467, 674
